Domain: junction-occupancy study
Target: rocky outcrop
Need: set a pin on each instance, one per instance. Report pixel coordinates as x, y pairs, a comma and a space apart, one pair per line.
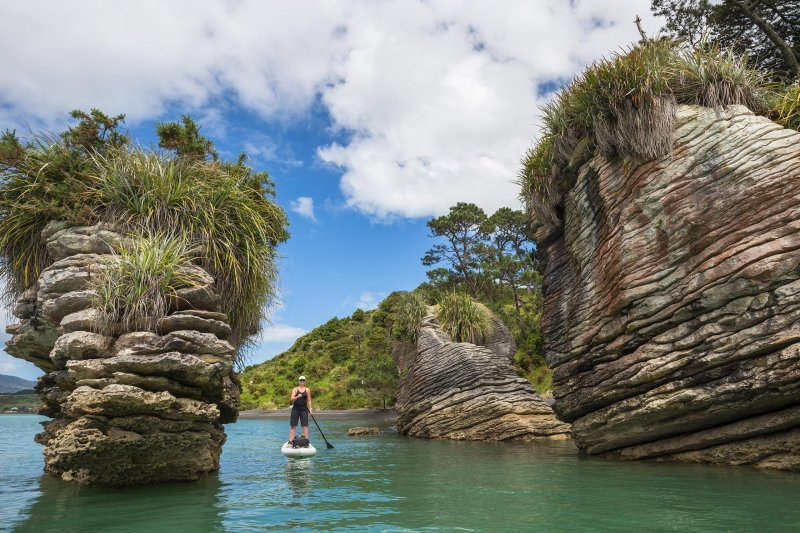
128, 407
462, 391
672, 297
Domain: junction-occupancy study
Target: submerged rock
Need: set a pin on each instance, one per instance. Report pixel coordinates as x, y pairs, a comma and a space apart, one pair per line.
672, 298
128, 407
466, 392
363, 431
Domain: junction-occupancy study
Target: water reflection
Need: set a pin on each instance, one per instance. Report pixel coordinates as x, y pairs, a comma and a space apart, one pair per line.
298, 476
394, 483
62, 506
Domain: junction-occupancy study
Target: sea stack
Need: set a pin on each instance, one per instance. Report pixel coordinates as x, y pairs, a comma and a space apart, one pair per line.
128, 407
672, 296
463, 391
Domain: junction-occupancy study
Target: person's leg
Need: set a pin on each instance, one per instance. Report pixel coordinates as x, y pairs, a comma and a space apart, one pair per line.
304, 422
293, 423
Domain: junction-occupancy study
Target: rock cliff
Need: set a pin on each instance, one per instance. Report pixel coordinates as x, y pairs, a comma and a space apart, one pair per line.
128, 407
672, 297
457, 390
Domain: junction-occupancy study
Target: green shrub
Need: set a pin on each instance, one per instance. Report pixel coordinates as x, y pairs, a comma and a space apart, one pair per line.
38, 183
715, 77
137, 290
785, 106
411, 309
464, 319
214, 205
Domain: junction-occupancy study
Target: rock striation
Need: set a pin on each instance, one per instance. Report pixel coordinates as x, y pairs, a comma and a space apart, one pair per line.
461, 391
128, 407
672, 297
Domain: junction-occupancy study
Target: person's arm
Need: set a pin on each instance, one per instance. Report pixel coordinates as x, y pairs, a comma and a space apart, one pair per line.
292, 398
308, 392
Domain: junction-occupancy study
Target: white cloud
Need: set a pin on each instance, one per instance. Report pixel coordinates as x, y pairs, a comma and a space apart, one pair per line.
304, 206
369, 300
444, 99
439, 97
281, 333
9, 365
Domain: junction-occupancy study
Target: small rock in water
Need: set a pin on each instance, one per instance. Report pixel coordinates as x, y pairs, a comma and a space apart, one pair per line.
363, 431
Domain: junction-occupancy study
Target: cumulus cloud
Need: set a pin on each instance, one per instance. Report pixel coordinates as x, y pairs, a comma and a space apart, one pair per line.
444, 99
304, 206
369, 300
438, 99
281, 333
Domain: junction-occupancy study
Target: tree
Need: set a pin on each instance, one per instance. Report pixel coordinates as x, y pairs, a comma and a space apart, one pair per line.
95, 131
497, 254
377, 377
184, 137
11, 149
464, 230
768, 30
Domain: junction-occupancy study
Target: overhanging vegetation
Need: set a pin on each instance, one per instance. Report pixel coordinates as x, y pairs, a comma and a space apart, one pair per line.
624, 106
221, 215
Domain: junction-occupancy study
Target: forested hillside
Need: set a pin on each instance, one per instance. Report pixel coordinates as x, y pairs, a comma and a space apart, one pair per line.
348, 363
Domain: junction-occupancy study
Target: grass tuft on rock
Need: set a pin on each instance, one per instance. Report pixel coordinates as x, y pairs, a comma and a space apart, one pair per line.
218, 208
624, 106
39, 182
223, 212
136, 290
464, 319
411, 310
785, 106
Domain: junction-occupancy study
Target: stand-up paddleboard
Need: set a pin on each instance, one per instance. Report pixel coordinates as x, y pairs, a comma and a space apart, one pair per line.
307, 451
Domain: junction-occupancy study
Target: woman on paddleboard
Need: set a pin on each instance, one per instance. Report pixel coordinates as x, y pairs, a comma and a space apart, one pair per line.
301, 407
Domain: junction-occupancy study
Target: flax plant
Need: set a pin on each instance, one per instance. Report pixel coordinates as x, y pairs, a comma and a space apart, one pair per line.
464, 319
41, 183
785, 106
411, 310
217, 207
135, 291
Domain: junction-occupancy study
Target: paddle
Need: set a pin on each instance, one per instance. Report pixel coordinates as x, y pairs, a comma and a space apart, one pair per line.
320, 432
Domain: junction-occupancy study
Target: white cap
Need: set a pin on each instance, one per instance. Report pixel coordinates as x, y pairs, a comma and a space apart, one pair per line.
301, 378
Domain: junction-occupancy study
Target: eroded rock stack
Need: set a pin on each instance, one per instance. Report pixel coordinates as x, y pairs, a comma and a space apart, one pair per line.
128, 407
672, 311
457, 390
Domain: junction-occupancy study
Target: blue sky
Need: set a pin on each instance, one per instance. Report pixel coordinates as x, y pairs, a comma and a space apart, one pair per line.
371, 117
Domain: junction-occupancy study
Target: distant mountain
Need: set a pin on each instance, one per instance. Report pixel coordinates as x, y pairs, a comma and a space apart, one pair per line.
14, 384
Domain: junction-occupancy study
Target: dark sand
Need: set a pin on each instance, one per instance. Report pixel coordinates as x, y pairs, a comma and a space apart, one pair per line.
343, 414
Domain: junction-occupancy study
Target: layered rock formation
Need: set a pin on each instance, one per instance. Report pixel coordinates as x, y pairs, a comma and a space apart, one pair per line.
462, 391
129, 407
672, 310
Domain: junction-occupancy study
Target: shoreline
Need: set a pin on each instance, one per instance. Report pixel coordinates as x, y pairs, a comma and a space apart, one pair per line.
323, 414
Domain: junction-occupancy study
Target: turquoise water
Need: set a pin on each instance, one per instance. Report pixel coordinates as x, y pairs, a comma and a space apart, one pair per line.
392, 483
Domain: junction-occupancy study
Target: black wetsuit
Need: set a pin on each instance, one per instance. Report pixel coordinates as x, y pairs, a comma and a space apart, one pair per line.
300, 410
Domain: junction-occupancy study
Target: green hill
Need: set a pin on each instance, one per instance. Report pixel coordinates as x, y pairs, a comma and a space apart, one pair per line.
348, 363
14, 384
